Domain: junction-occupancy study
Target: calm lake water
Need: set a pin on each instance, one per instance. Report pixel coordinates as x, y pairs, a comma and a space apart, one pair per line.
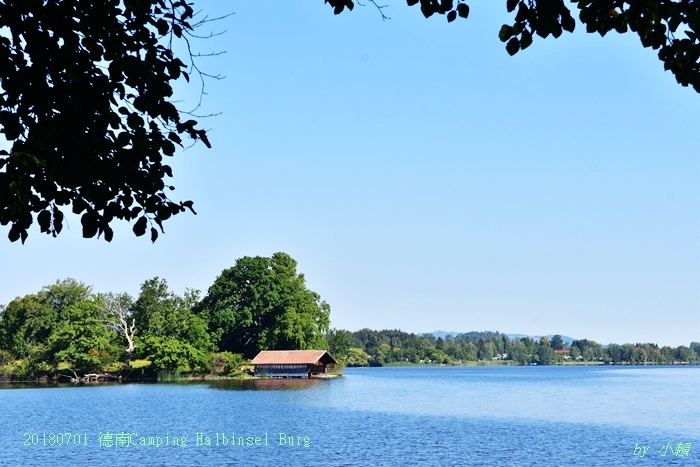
587, 416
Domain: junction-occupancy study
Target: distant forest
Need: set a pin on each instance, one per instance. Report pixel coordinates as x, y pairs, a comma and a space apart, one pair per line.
65, 330
367, 347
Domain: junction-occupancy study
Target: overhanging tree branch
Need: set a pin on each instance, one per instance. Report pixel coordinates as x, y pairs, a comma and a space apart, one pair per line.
86, 109
658, 23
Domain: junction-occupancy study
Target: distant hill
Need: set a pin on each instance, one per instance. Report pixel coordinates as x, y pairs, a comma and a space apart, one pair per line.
442, 334
568, 340
474, 335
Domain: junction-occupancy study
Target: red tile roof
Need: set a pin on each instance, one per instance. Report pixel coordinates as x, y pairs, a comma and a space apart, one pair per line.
292, 357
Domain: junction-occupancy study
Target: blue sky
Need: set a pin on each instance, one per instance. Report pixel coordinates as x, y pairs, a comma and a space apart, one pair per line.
424, 179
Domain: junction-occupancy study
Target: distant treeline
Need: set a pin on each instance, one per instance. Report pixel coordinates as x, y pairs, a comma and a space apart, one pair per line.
259, 304
367, 347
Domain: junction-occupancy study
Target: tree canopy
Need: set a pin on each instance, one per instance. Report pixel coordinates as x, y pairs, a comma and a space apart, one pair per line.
86, 105
60, 324
172, 335
263, 304
258, 304
368, 347
87, 108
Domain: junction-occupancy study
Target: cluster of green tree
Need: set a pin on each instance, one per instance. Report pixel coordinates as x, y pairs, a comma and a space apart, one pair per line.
259, 304
367, 348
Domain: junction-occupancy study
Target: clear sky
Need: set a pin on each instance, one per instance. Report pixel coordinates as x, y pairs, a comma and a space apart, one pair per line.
424, 179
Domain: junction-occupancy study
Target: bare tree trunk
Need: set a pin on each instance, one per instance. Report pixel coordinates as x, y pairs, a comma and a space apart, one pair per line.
117, 315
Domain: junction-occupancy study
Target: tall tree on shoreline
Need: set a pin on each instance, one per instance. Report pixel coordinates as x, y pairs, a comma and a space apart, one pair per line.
170, 334
263, 304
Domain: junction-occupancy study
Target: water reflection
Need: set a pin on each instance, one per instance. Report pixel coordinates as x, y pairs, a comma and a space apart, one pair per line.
51, 384
271, 384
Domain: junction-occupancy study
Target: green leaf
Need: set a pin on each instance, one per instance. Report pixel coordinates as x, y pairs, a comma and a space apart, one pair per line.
451, 16
505, 33
162, 26
523, 13
140, 226
62, 197
57, 220
412, 2
463, 10
13, 235
620, 27
163, 213
134, 121
89, 221
123, 139
511, 4
513, 46
44, 219
556, 30
568, 23
168, 148
525, 39
205, 140
79, 205
12, 129
174, 137
154, 234
188, 205
109, 233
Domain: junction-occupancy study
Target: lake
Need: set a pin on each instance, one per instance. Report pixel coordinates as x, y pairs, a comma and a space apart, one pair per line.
588, 416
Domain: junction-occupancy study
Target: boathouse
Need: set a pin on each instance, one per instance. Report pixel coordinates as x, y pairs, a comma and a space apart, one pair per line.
292, 363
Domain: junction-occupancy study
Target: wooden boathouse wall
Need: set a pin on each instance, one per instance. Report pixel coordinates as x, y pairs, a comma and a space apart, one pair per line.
292, 363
